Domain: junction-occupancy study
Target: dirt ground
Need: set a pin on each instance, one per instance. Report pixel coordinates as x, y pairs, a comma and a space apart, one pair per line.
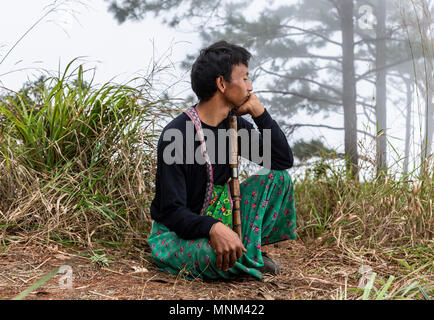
309, 272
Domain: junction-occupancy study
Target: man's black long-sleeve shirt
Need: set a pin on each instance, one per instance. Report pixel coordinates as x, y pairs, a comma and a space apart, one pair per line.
180, 186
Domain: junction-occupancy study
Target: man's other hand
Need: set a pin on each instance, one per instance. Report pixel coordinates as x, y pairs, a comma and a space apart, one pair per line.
227, 246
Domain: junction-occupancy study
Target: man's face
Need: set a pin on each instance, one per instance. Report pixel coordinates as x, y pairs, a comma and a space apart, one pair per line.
237, 91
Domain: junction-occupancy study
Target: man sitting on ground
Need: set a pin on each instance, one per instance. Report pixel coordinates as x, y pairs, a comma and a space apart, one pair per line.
192, 208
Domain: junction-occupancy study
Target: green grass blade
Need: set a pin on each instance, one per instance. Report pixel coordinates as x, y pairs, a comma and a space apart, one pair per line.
369, 286
423, 293
410, 287
385, 288
37, 284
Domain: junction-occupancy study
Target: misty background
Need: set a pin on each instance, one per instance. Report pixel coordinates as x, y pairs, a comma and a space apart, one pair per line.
342, 78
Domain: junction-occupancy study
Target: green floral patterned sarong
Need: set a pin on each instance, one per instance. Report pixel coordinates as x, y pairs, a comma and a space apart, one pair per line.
220, 205
268, 216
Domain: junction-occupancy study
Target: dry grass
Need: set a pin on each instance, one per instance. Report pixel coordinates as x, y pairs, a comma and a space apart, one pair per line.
383, 212
91, 178
382, 222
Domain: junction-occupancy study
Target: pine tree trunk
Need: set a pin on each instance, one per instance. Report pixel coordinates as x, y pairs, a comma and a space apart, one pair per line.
346, 8
429, 89
429, 119
381, 88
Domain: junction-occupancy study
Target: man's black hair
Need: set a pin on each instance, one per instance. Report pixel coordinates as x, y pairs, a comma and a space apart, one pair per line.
215, 61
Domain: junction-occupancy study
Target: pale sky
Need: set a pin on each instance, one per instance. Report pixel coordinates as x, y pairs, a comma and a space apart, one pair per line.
115, 50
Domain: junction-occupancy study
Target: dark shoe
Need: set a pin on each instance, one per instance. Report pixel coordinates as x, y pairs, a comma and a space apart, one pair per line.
270, 266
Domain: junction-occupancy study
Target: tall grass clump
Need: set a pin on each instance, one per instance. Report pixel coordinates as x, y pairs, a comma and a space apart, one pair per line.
383, 214
77, 163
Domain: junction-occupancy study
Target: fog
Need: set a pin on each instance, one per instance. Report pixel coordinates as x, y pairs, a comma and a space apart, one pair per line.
302, 66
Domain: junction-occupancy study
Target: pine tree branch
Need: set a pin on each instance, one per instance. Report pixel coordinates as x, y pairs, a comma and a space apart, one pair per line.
314, 56
362, 76
303, 79
368, 117
313, 33
337, 102
367, 38
297, 94
292, 127
365, 41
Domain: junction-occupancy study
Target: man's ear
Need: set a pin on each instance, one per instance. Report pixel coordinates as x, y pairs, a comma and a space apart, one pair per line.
220, 84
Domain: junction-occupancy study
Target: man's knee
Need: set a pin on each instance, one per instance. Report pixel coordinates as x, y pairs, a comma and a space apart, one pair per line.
282, 176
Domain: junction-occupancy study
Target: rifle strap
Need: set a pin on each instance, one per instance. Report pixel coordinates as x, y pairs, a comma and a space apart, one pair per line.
193, 115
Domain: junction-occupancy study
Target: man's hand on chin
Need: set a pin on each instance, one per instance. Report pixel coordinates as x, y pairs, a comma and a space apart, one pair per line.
252, 106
